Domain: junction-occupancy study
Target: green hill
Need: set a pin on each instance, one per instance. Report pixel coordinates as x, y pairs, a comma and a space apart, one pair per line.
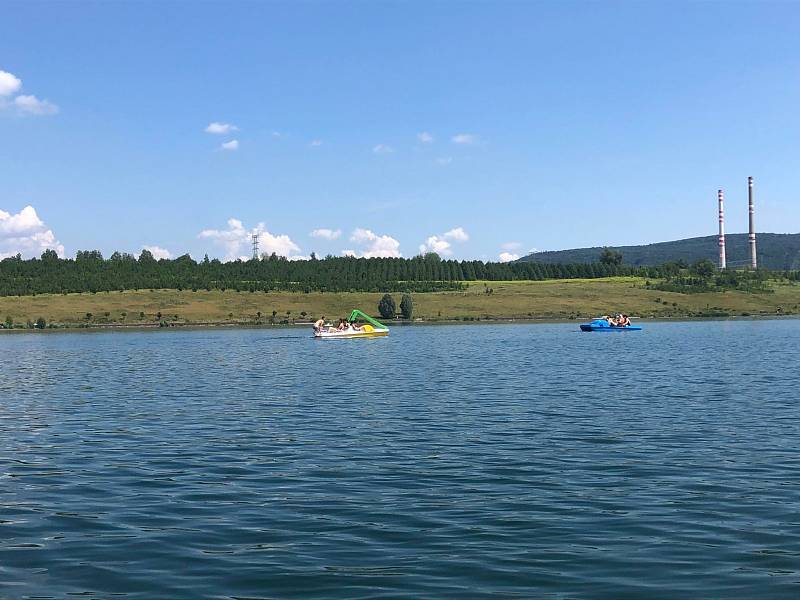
777, 251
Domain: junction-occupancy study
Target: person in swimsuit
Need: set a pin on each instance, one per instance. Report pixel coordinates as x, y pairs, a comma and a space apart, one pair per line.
319, 324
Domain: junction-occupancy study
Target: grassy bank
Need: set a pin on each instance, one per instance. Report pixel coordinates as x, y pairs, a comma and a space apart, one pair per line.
561, 299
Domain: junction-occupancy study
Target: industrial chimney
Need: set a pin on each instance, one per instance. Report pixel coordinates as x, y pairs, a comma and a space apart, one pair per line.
752, 235
721, 232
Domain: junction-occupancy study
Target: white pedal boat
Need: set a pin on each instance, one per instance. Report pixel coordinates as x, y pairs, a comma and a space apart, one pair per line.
362, 332
371, 328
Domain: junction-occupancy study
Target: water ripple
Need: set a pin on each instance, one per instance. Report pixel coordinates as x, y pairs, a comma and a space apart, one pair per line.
484, 461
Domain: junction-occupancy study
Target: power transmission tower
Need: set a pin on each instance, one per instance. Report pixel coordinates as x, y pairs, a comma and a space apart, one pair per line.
255, 246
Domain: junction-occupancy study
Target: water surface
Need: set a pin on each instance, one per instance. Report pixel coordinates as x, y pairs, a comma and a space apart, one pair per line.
493, 461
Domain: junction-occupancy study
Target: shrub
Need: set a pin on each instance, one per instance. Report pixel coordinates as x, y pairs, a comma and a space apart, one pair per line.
387, 307
407, 306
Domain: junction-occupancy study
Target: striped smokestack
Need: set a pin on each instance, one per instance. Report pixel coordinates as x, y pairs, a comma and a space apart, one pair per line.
722, 262
751, 237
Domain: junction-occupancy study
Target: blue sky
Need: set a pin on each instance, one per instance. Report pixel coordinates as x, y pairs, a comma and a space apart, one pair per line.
473, 128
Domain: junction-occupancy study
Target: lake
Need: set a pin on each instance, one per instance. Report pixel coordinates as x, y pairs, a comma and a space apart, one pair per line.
520, 461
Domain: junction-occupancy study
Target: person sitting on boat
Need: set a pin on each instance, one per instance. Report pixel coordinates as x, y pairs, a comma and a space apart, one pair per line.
620, 321
342, 325
319, 324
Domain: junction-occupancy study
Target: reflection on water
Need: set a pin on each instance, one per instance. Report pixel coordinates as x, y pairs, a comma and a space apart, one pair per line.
514, 460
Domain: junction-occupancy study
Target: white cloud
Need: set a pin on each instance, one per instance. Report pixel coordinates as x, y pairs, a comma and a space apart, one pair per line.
277, 134
441, 243
436, 244
458, 234
236, 240
511, 246
24, 221
221, 128
444, 160
26, 233
232, 145
157, 252
33, 106
9, 83
425, 137
326, 234
25, 104
382, 149
315, 143
463, 138
374, 245
508, 256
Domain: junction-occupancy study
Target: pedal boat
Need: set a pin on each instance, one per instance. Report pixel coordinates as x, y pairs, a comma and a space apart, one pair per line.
603, 325
363, 332
371, 328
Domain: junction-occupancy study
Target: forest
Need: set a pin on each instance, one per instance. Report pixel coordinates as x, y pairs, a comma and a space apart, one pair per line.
89, 271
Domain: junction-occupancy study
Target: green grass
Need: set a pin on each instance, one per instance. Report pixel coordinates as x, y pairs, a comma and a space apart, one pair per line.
560, 299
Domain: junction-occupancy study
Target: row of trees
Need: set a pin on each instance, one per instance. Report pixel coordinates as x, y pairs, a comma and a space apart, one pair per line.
703, 276
89, 271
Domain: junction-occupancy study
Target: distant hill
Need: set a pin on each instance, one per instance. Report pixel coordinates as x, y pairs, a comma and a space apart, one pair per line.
777, 251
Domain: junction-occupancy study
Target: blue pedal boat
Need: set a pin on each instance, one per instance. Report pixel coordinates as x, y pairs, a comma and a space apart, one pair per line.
603, 325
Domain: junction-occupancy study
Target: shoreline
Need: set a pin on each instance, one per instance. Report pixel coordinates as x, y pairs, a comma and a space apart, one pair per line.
117, 327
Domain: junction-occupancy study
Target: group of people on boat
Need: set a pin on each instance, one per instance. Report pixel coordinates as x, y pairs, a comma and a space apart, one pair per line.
620, 320
344, 325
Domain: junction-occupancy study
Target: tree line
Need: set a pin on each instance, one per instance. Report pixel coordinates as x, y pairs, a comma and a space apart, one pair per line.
89, 271
703, 276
